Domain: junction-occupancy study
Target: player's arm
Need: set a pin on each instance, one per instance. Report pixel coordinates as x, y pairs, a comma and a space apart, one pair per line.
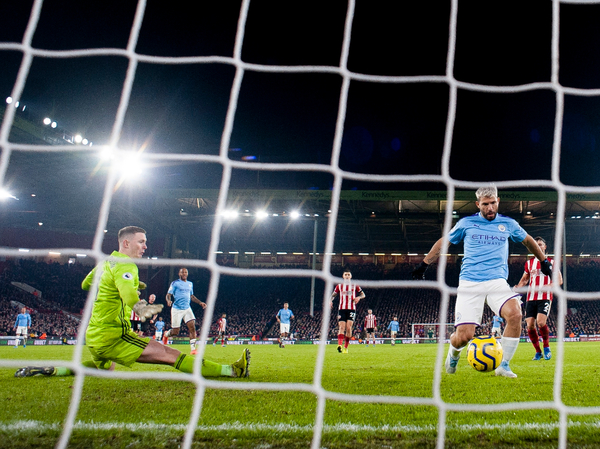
533, 247
277, 316
88, 281
358, 297
197, 301
333, 296
432, 255
524, 280
126, 281
169, 299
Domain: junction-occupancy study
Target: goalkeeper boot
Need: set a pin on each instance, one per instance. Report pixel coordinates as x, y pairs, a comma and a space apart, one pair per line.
241, 367
504, 370
547, 353
537, 356
29, 371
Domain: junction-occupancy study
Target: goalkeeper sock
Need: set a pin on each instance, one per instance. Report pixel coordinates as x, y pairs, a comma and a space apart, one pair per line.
61, 371
545, 333
185, 364
535, 341
509, 347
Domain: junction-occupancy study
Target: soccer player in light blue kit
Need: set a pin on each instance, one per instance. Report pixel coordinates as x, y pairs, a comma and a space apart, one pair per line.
180, 293
497, 326
22, 323
158, 329
283, 317
394, 327
483, 276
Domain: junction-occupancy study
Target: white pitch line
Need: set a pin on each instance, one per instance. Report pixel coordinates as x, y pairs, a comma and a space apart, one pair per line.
17, 427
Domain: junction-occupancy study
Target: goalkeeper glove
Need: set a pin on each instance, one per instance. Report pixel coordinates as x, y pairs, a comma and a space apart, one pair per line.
145, 310
142, 286
546, 267
419, 272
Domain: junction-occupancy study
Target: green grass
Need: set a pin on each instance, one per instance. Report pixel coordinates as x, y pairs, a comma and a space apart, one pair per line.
117, 413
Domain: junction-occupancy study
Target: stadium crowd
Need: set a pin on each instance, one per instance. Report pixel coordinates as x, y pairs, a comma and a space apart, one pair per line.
251, 303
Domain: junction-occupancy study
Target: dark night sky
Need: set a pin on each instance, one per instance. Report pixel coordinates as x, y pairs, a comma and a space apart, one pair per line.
390, 128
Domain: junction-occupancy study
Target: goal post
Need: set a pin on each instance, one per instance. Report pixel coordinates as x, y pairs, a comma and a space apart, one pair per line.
430, 331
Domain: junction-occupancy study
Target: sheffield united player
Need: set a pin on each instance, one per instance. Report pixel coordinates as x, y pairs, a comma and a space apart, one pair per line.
539, 302
370, 326
221, 327
350, 294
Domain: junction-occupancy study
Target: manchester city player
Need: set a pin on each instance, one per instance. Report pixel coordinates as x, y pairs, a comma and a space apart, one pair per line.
179, 296
483, 276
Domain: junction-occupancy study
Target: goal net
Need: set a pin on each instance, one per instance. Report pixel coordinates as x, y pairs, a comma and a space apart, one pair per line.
391, 71
431, 332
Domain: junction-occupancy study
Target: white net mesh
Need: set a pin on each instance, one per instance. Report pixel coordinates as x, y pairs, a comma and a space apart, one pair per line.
10, 151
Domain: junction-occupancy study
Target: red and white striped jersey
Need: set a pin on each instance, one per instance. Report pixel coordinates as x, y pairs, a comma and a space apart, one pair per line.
370, 321
537, 280
134, 317
347, 293
222, 324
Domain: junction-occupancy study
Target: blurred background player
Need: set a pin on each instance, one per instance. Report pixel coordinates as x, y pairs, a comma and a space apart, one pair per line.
497, 326
394, 327
539, 302
22, 324
221, 327
146, 323
483, 276
350, 294
109, 336
370, 326
159, 326
179, 296
283, 318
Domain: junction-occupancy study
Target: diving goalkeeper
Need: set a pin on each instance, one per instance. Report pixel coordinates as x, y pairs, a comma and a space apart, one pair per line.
109, 336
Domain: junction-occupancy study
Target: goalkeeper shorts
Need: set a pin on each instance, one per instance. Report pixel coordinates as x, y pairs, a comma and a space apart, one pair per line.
124, 350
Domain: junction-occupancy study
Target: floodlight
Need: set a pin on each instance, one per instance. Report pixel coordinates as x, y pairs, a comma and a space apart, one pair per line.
261, 214
294, 214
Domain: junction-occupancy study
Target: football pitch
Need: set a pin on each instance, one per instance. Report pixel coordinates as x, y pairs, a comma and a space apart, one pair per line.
153, 413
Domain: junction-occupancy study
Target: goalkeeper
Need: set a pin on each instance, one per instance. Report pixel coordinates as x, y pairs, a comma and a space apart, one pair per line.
483, 276
109, 336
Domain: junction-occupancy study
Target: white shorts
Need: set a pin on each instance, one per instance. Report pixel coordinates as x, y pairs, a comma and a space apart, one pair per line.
393, 334
284, 328
158, 335
471, 297
178, 314
496, 330
22, 330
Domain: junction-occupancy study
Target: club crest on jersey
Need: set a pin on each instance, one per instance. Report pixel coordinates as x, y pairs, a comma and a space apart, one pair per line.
127, 276
501, 228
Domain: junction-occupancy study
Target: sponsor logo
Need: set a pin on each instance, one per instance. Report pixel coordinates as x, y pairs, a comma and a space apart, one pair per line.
127, 276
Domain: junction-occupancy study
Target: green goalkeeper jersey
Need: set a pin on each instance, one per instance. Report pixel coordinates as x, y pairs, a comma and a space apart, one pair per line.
117, 294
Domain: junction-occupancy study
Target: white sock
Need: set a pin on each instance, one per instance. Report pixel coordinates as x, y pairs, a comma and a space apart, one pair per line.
454, 352
509, 347
193, 343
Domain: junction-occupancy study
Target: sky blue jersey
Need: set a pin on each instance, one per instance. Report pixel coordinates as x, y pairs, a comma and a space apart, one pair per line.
284, 315
394, 326
485, 246
23, 319
182, 292
496, 321
159, 325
